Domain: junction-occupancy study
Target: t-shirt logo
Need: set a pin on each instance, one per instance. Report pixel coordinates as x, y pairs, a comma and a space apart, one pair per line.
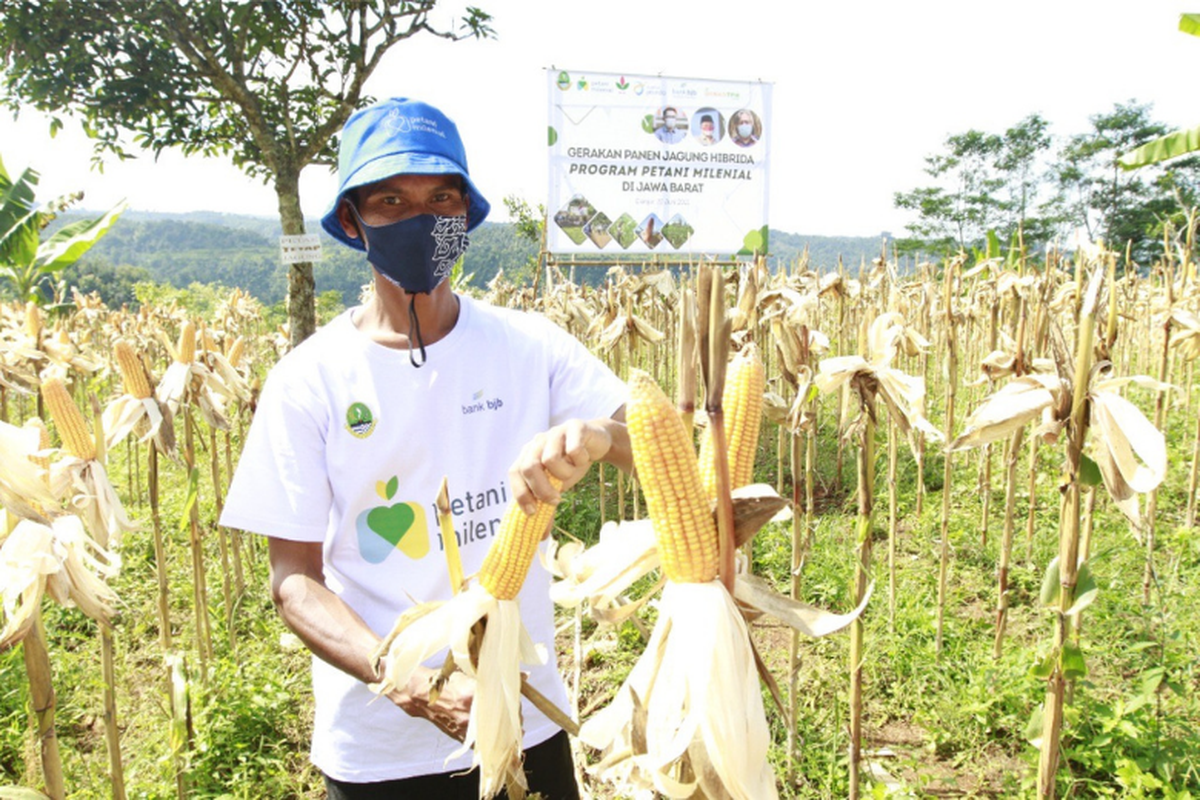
359, 420
392, 526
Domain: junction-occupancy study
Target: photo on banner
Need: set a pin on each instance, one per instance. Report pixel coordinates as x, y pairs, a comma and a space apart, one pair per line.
657, 165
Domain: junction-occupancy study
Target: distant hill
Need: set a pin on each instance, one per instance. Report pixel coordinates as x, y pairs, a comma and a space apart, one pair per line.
241, 250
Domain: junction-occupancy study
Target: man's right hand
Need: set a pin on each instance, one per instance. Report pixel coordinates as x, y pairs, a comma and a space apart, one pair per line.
450, 713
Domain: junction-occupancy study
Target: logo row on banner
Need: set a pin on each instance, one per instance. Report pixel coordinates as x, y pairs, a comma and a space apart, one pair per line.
653, 164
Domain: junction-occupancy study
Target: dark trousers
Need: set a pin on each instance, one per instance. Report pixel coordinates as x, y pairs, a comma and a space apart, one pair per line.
548, 768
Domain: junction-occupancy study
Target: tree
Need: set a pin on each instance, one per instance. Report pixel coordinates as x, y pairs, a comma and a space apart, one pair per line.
958, 214
268, 84
1022, 150
988, 182
1111, 204
26, 262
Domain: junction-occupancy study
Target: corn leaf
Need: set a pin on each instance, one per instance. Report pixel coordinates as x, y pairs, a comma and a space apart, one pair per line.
1138, 449
810, 621
1089, 471
1073, 664
1018, 403
1051, 584
1085, 590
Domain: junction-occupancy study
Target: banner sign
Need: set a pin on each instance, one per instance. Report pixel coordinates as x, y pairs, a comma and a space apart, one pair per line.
650, 164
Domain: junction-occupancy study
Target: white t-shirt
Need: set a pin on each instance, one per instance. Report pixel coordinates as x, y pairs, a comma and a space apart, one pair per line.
348, 447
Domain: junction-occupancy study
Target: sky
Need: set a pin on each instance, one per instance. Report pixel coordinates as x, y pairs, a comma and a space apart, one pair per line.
862, 93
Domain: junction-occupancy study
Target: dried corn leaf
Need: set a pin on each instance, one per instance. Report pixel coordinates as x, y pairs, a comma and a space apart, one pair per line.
1137, 448
809, 620
1014, 405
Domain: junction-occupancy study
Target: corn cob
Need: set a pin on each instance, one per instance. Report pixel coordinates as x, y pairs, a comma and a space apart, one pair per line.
72, 428
43, 441
507, 561
742, 406
235, 351
186, 352
33, 321
670, 476
210, 344
133, 373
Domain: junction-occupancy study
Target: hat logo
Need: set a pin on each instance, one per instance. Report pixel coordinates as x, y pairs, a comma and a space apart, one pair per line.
395, 122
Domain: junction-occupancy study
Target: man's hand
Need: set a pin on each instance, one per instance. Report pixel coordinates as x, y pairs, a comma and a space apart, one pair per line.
450, 713
566, 451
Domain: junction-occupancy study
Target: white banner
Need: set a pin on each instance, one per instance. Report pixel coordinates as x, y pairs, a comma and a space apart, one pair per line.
649, 164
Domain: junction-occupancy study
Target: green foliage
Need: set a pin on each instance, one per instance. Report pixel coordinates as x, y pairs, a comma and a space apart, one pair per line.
116, 286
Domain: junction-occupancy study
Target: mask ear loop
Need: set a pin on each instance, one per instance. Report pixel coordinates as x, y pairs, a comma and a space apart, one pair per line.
414, 330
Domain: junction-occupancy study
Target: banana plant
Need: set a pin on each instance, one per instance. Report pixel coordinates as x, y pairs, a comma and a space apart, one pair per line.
25, 260
1173, 144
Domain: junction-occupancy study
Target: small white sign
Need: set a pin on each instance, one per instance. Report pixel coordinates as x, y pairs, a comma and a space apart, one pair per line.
305, 247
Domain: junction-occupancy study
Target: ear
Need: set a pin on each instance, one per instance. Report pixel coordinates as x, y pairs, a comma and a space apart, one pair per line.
346, 217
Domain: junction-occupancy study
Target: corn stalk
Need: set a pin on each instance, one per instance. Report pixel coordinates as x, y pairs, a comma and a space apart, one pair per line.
1012, 453
862, 577
947, 484
1063, 657
1160, 412
41, 696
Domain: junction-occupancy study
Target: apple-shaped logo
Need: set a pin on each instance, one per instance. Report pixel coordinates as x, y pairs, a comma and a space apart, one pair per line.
397, 526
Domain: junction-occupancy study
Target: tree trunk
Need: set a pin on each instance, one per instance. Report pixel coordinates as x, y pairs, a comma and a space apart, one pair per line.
301, 305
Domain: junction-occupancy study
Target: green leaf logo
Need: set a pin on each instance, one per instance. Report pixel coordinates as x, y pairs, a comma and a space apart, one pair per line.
622, 84
755, 242
564, 81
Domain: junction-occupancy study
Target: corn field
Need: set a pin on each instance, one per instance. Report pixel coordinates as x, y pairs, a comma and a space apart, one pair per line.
961, 537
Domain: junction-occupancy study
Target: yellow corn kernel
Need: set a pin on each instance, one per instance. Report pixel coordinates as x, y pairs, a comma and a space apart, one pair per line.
72, 428
507, 561
745, 382
186, 352
666, 466
133, 372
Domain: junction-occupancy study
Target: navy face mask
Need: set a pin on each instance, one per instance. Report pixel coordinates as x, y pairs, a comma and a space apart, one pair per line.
416, 254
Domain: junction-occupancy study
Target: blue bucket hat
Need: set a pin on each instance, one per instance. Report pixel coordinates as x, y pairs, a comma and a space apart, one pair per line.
399, 137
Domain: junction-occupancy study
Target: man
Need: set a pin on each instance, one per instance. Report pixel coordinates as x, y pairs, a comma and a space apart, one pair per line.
743, 128
707, 131
670, 132
358, 425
